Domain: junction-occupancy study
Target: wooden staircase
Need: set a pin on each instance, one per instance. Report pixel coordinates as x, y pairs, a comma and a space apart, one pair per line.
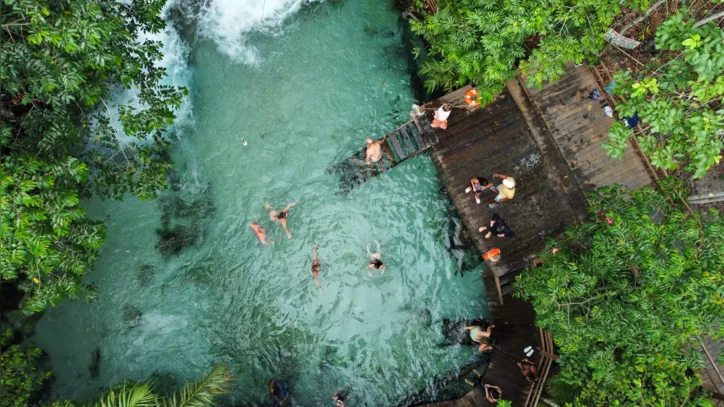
406, 141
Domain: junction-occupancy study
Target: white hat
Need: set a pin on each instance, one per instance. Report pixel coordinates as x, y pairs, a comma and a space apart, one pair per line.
509, 183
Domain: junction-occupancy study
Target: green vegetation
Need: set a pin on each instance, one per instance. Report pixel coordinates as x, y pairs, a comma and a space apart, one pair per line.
20, 382
482, 42
59, 62
627, 298
678, 98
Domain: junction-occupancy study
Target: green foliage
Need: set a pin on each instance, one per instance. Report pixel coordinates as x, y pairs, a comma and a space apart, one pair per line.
627, 297
59, 62
679, 102
483, 41
19, 379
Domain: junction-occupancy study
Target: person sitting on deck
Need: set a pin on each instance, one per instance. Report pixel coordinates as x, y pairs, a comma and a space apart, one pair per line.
280, 216
506, 189
478, 335
497, 227
478, 185
260, 233
529, 370
339, 398
279, 389
375, 260
441, 115
374, 151
492, 393
315, 268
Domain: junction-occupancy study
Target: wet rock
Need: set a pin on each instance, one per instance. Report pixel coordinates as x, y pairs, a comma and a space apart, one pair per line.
145, 273
132, 316
94, 368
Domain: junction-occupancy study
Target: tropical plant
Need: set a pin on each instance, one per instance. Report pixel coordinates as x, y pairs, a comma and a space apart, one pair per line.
19, 378
481, 42
628, 296
59, 62
679, 99
196, 394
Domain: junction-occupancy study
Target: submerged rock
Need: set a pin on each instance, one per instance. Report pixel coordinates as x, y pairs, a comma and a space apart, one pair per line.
94, 368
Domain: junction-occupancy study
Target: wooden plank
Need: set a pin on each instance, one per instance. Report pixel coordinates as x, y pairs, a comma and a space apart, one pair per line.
388, 152
416, 135
411, 150
396, 146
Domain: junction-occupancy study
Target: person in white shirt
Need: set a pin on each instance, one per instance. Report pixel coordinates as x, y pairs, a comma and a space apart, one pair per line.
441, 115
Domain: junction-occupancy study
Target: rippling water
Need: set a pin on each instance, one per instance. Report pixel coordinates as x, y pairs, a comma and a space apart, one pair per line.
336, 75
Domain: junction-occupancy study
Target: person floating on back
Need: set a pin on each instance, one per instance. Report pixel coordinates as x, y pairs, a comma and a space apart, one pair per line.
374, 151
497, 227
441, 115
315, 268
339, 399
280, 216
529, 370
260, 233
375, 260
478, 335
506, 189
279, 389
478, 185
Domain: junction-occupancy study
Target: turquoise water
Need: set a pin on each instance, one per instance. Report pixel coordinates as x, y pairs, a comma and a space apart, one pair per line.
267, 130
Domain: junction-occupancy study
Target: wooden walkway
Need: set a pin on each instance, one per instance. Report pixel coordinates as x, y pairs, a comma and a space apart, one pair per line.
712, 376
400, 144
580, 127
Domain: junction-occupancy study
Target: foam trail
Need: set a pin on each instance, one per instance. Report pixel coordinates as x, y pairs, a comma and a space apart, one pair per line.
227, 22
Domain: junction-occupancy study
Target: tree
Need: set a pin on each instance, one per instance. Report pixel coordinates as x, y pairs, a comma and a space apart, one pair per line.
677, 98
59, 62
628, 296
19, 379
482, 42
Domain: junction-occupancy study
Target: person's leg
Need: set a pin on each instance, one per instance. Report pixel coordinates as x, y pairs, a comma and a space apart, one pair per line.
477, 198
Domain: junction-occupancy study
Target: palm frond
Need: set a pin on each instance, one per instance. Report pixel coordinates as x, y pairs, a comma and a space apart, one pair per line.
129, 395
202, 392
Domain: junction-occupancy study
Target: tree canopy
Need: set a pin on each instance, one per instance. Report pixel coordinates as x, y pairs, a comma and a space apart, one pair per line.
628, 296
60, 61
482, 41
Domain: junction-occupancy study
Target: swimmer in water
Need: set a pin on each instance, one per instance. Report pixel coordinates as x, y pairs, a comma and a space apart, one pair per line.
374, 151
375, 260
315, 268
280, 216
260, 233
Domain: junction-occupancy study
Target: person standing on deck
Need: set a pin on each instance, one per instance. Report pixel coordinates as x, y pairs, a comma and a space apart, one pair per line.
315, 268
374, 151
280, 216
375, 260
441, 115
506, 189
497, 227
478, 185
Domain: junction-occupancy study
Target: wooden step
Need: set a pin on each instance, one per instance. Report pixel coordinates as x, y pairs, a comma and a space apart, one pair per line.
416, 135
406, 138
396, 146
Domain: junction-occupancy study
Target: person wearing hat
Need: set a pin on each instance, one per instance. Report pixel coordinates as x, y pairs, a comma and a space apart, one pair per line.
506, 189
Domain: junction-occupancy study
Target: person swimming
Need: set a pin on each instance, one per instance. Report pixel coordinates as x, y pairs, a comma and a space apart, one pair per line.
339, 399
477, 334
316, 268
374, 151
260, 233
280, 216
375, 260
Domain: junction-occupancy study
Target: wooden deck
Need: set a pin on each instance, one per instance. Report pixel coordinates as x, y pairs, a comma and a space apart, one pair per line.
580, 127
713, 373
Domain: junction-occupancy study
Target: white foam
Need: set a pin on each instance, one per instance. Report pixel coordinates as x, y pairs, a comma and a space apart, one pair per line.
228, 23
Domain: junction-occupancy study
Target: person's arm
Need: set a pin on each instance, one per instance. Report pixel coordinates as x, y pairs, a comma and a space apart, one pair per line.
315, 252
501, 176
368, 250
286, 208
267, 206
382, 269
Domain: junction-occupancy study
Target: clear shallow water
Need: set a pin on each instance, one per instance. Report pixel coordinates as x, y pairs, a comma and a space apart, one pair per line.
313, 93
